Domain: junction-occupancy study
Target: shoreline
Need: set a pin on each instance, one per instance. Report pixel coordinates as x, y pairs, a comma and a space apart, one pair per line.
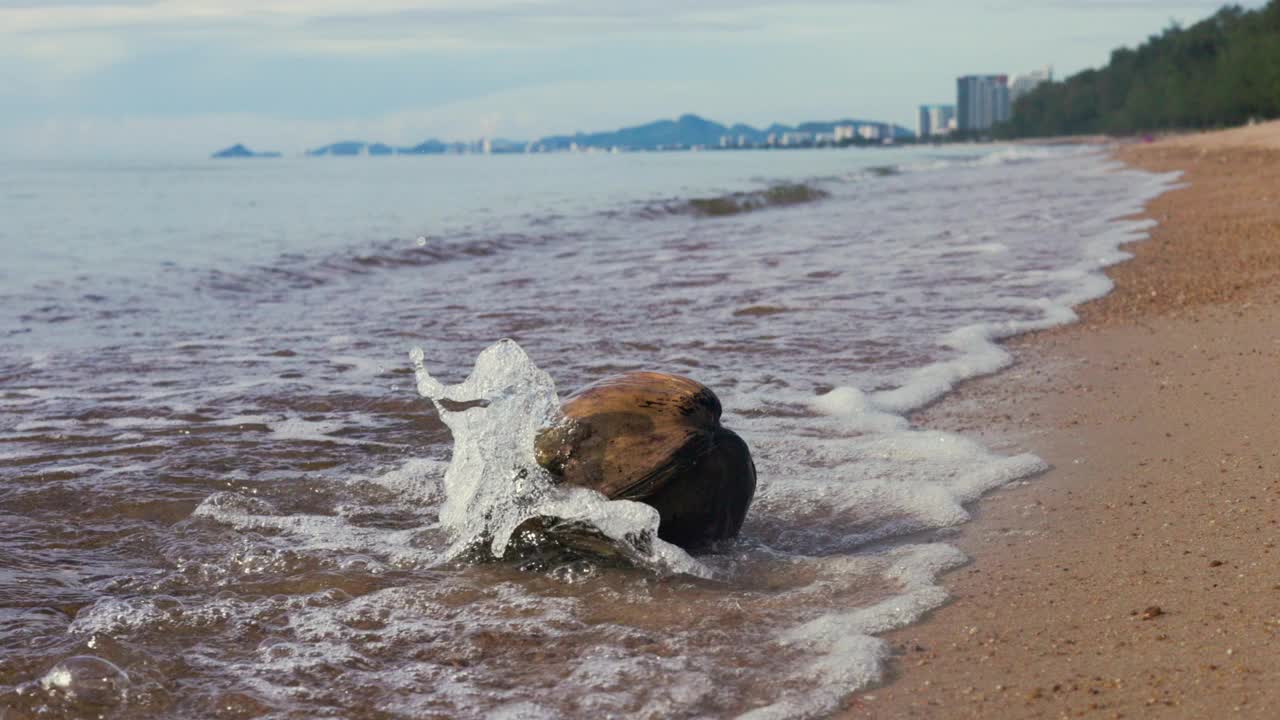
1139, 576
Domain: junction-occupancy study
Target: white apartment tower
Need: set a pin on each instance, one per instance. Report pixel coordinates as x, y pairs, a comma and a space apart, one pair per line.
1025, 83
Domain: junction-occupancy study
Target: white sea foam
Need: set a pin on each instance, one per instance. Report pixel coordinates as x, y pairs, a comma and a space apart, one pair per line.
979, 353
330, 535
912, 479
860, 411
843, 650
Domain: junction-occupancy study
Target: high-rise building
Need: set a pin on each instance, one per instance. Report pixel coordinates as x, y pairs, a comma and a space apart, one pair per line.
981, 101
1025, 83
935, 120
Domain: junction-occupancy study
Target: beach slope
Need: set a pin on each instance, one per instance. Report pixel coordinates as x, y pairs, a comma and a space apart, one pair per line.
1140, 576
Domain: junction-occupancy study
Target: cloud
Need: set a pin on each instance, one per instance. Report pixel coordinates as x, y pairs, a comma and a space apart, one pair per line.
392, 25
46, 4
57, 42
523, 113
193, 75
473, 17
36, 70
89, 52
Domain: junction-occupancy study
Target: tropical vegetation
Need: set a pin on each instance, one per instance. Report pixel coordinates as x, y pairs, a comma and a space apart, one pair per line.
1222, 71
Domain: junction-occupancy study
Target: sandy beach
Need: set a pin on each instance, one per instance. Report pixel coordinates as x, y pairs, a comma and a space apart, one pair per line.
1140, 576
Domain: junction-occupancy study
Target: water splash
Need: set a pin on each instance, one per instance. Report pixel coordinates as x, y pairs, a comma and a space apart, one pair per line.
494, 487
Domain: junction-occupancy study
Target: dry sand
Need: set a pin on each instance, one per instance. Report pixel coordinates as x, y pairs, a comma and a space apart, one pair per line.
1140, 577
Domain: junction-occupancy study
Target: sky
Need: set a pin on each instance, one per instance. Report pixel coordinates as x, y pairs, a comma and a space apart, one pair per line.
186, 77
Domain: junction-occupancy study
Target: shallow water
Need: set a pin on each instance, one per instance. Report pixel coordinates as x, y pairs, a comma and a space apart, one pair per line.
218, 481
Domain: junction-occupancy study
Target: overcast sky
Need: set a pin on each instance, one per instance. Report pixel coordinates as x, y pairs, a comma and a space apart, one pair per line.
190, 76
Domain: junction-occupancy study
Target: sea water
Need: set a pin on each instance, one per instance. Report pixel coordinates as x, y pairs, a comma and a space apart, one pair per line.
223, 495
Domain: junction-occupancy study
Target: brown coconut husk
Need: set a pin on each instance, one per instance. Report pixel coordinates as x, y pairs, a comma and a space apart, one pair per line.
656, 438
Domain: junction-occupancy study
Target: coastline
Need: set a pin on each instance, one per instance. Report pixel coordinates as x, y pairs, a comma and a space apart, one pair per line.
1139, 577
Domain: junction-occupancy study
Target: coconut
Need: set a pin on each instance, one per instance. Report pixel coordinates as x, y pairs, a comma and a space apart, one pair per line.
657, 439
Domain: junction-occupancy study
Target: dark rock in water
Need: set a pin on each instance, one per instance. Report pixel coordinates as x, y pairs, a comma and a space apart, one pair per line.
657, 439
545, 542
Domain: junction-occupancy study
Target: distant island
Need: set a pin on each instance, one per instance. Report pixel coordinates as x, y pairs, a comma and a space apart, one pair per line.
687, 132
347, 148
240, 151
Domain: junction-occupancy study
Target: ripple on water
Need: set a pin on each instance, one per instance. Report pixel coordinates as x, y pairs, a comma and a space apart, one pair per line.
222, 498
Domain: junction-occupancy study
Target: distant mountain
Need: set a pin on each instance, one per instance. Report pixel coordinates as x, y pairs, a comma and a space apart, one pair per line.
346, 147
501, 145
426, 147
240, 151
689, 131
430, 146
685, 132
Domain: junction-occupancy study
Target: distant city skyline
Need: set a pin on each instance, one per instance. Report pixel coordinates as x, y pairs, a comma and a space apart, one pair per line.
166, 77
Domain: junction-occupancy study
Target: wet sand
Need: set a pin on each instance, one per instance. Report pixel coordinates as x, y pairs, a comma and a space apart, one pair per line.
1140, 577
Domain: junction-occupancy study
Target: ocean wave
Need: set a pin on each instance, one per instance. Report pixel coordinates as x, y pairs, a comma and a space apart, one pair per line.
737, 203
992, 156
302, 272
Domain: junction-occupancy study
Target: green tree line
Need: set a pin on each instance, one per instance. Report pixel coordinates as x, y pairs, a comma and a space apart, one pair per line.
1224, 70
